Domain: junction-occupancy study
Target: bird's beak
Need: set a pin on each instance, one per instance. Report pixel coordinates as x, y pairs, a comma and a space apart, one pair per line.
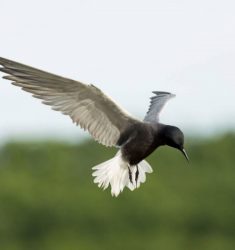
185, 154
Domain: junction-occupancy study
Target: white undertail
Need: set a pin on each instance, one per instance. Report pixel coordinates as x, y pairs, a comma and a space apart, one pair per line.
116, 172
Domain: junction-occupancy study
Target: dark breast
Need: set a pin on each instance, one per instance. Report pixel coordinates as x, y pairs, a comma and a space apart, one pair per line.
140, 141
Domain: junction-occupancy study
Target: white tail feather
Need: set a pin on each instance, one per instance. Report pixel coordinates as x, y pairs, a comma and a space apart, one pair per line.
116, 173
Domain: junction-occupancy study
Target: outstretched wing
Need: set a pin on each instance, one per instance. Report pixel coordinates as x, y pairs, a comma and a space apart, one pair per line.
156, 105
87, 105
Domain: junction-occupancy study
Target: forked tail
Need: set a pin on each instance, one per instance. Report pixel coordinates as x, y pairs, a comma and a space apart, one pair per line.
119, 174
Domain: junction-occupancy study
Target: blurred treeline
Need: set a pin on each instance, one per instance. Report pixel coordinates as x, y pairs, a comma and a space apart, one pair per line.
48, 200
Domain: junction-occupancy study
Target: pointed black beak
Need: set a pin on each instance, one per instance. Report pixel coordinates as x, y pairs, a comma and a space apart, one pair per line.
185, 154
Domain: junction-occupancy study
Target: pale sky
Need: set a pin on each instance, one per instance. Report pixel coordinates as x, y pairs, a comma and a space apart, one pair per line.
128, 48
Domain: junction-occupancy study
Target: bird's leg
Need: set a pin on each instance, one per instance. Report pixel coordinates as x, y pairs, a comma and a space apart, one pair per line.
136, 174
130, 174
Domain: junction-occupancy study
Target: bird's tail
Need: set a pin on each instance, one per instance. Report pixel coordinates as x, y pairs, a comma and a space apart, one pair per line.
119, 174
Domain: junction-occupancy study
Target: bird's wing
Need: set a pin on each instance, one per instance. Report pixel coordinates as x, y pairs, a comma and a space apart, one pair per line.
87, 105
156, 105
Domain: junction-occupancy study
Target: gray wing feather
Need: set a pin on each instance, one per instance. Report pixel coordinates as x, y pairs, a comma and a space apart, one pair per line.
156, 105
87, 105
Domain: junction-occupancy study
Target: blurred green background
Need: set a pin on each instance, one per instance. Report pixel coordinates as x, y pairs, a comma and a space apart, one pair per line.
48, 200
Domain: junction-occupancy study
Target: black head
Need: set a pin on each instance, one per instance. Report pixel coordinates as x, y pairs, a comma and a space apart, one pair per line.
174, 137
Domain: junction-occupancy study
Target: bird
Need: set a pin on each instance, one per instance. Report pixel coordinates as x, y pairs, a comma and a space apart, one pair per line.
108, 123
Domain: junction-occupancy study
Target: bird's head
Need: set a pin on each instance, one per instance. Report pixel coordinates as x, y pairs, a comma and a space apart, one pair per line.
174, 137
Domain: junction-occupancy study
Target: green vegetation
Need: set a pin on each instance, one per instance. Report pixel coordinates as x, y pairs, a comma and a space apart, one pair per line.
48, 200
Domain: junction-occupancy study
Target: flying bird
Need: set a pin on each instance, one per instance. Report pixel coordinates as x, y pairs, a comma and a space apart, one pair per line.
105, 120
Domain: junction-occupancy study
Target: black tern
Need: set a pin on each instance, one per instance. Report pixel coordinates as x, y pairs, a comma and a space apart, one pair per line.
107, 123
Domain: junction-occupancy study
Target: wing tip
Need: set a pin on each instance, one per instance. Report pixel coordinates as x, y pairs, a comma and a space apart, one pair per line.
4, 61
159, 93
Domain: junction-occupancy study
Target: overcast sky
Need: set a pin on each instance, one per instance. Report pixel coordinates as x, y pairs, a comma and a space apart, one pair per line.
128, 48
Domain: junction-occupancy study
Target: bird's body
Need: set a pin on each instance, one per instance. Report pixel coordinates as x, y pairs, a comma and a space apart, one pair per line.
108, 124
139, 141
